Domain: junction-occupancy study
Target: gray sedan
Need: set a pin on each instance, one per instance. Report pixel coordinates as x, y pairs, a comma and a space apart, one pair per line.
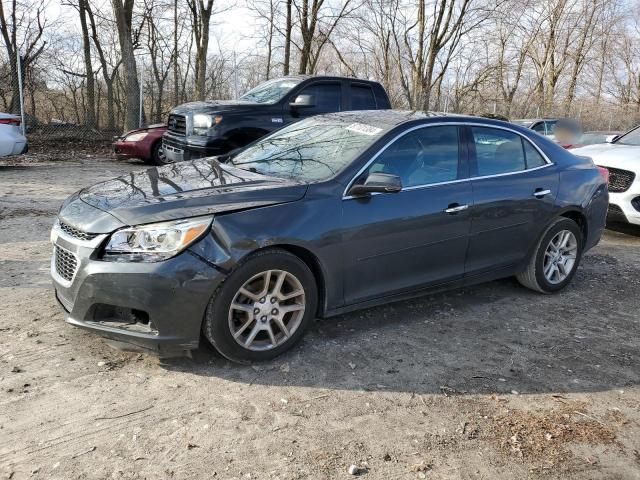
328, 215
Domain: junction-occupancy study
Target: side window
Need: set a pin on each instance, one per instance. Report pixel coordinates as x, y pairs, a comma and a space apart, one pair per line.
422, 157
497, 151
533, 157
327, 97
539, 127
551, 127
362, 97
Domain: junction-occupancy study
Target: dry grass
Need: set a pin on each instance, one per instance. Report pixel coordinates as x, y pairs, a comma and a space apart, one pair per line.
543, 437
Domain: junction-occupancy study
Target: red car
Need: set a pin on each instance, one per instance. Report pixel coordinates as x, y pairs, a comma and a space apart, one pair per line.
144, 143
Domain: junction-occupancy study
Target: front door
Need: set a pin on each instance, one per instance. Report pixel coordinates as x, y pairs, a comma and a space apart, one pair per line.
327, 97
416, 237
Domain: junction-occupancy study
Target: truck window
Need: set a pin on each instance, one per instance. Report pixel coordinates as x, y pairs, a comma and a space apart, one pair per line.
362, 98
327, 96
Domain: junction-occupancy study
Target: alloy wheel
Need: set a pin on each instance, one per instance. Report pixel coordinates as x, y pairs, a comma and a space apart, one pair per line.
560, 256
267, 310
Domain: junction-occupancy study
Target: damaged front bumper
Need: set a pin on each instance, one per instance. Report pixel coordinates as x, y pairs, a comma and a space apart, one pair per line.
154, 307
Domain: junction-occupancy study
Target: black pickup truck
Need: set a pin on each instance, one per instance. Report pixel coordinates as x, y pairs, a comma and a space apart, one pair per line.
201, 129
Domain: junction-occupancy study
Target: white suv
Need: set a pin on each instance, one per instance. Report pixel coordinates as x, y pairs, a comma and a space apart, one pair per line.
622, 158
12, 141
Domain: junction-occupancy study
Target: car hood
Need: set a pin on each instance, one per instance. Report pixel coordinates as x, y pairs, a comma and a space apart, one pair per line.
214, 106
181, 190
613, 155
158, 127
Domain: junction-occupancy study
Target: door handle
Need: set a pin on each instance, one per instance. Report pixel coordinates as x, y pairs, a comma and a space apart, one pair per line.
539, 193
455, 208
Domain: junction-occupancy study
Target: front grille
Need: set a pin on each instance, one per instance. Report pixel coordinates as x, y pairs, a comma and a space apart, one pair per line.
620, 180
75, 233
66, 263
177, 124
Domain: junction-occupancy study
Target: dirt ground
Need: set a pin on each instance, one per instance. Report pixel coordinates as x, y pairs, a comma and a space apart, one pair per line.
492, 381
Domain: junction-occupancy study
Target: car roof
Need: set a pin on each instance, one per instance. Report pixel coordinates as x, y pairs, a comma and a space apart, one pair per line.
301, 77
534, 119
388, 119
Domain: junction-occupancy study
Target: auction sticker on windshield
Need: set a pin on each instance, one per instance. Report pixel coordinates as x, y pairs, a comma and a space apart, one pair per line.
363, 128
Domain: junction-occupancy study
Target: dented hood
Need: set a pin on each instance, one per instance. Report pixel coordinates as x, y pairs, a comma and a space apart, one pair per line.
187, 189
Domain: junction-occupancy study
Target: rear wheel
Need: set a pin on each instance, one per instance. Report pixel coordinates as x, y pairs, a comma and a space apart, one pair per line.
263, 308
158, 156
555, 259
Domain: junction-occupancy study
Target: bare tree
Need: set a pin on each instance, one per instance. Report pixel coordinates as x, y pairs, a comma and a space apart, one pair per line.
90, 107
22, 32
123, 14
316, 26
201, 19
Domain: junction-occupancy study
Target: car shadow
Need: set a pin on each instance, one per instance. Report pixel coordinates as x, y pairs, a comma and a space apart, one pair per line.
492, 338
626, 228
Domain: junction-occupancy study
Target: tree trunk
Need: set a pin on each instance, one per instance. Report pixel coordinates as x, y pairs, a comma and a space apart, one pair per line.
287, 41
201, 15
90, 107
123, 13
176, 78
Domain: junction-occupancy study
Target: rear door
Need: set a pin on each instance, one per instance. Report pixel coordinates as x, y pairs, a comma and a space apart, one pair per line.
514, 193
361, 97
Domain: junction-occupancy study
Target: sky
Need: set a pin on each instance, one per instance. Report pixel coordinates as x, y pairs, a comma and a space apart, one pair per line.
228, 29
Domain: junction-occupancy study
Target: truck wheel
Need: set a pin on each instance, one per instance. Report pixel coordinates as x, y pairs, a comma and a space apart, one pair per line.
157, 154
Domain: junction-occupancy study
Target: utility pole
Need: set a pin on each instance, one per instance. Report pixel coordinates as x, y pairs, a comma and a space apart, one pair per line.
21, 99
141, 90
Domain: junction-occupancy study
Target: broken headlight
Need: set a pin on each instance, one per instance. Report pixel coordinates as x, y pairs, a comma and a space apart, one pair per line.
155, 242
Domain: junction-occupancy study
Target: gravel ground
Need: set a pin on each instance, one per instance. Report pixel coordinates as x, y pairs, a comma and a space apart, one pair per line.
492, 381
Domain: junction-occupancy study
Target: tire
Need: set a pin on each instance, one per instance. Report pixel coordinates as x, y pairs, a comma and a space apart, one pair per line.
535, 277
157, 154
256, 312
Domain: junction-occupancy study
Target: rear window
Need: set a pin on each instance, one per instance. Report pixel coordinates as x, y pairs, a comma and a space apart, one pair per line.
497, 151
362, 98
533, 157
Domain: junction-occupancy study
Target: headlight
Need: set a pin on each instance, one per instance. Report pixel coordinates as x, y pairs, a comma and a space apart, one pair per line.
135, 137
155, 242
202, 123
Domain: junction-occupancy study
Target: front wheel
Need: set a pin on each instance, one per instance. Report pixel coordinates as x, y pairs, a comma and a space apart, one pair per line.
555, 259
263, 308
158, 156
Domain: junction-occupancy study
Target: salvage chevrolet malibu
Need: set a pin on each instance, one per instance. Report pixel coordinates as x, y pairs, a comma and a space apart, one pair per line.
330, 214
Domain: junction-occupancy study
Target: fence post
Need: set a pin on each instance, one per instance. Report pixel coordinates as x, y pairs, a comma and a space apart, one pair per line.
20, 93
141, 94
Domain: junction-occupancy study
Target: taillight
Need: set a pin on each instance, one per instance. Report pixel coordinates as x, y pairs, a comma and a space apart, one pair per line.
605, 174
10, 121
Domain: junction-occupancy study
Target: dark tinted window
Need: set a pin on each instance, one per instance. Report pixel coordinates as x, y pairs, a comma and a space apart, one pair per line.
424, 156
327, 97
497, 151
551, 126
362, 98
539, 127
534, 159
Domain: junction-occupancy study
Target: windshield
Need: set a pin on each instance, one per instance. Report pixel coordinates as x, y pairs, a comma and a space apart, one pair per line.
630, 138
271, 91
523, 123
310, 150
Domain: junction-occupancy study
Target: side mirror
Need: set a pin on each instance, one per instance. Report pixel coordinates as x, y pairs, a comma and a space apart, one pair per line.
377, 182
303, 101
